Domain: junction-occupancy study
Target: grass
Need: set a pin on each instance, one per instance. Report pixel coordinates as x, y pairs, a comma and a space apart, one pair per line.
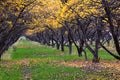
39, 62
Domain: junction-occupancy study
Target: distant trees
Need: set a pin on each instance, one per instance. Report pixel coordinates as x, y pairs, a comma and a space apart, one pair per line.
84, 24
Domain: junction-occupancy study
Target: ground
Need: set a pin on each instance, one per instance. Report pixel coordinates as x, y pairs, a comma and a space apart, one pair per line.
31, 60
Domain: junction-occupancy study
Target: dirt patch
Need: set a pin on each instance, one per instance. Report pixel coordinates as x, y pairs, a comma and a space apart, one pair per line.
98, 67
6, 56
25, 62
111, 70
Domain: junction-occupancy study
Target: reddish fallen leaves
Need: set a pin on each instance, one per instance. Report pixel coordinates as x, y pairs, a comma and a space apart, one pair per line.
25, 62
110, 70
93, 66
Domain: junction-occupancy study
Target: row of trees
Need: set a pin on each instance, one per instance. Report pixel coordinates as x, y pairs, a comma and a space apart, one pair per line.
85, 23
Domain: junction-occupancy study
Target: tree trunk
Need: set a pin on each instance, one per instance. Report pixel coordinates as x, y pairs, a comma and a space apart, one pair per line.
70, 44
53, 45
57, 45
79, 51
62, 43
62, 48
10, 39
95, 59
97, 40
70, 48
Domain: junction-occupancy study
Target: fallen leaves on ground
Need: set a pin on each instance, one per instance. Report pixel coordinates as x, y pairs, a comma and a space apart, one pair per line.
110, 69
25, 62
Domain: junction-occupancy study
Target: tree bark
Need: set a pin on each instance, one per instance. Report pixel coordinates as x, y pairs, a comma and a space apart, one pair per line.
70, 45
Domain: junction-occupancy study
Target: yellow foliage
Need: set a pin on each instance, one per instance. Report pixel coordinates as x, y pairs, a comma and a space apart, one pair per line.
10, 23
72, 8
52, 12
44, 13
